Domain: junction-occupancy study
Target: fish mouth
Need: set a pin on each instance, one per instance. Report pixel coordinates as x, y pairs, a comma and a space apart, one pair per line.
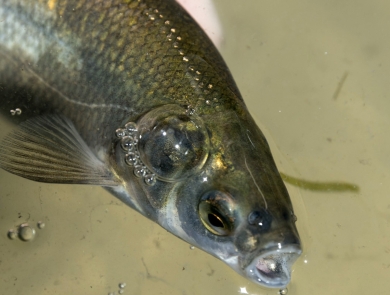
273, 267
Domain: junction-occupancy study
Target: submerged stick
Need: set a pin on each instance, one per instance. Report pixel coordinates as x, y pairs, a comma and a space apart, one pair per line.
331, 186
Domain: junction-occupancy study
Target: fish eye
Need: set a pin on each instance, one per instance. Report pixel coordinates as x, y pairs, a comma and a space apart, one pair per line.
173, 144
216, 211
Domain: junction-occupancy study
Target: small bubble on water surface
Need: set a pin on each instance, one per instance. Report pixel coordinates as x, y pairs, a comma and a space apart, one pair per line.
120, 132
283, 291
150, 179
12, 234
127, 143
131, 159
192, 247
185, 58
16, 111
121, 291
26, 233
139, 171
122, 285
111, 293
41, 224
131, 127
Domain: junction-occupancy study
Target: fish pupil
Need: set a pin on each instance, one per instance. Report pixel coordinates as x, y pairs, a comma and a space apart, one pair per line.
215, 221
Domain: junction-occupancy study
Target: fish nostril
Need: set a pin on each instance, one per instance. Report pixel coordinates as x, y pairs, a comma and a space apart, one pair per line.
260, 218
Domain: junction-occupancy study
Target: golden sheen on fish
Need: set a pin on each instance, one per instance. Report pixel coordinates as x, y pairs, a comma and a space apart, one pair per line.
133, 96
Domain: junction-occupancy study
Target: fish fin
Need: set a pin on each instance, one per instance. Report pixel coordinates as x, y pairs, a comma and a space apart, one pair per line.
49, 149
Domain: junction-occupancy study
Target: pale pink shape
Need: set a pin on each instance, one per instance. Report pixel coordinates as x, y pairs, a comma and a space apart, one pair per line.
205, 14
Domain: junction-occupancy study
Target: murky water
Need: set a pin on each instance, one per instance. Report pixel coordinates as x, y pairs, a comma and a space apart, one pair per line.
315, 76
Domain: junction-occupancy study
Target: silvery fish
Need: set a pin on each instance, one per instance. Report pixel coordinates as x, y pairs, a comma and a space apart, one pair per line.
133, 96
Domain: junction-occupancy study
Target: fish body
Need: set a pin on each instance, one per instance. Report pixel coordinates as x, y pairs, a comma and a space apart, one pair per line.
132, 95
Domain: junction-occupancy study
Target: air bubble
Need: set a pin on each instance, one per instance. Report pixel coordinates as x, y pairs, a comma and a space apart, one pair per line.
120, 132
12, 235
41, 224
210, 86
139, 171
178, 38
197, 72
121, 291
26, 233
208, 102
175, 44
167, 22
192, 247
122, 285
131, 127
283, 291
150, 179
127, 143
185, 58
181, 51
16, 111
131, 159
173, 30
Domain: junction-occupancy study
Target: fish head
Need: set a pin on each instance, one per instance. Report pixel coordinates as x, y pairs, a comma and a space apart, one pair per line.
211, 180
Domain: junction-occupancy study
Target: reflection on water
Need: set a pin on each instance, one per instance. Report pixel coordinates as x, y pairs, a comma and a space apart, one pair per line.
289, 60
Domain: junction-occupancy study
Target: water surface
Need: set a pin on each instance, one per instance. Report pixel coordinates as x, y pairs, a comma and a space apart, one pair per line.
315, 76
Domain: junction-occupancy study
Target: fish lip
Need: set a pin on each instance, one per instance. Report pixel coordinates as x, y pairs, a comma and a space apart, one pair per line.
281, 258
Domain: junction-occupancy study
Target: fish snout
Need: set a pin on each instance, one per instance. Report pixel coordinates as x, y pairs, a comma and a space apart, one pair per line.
273, 267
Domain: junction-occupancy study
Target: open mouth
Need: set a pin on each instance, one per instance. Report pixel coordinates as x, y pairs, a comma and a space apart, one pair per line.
273, 268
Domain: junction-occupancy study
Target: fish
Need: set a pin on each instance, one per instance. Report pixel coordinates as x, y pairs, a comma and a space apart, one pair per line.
132, 96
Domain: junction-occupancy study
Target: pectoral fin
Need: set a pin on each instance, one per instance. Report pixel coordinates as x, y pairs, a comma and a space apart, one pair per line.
49, 149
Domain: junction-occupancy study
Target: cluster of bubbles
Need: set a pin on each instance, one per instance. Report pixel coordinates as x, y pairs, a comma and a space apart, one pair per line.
129, 137
16, 111
24, 232
121, 289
